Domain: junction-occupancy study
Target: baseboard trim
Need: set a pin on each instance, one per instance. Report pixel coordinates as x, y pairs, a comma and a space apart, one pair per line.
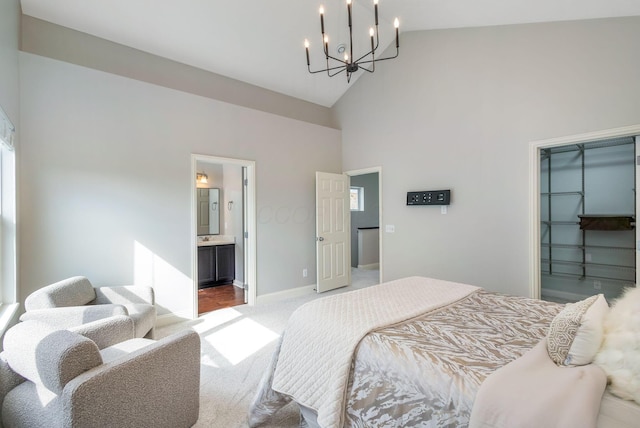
372, 266
238, 284
286, 294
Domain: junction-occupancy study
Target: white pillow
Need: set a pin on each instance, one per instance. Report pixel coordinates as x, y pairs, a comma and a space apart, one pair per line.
619, 356
576, 333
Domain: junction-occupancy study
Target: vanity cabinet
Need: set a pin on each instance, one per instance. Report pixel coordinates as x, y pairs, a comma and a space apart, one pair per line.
216, 265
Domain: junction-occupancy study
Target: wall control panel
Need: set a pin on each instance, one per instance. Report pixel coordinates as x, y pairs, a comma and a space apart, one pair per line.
429, 197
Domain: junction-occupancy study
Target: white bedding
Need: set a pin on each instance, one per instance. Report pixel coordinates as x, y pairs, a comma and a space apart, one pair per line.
317, 379
532, 391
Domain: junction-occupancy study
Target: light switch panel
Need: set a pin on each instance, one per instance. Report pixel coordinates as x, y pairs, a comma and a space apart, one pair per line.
429, 197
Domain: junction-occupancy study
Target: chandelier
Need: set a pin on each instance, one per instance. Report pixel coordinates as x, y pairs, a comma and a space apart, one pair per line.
348, 64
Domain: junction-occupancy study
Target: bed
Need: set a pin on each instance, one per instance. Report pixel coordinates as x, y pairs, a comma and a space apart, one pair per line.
408, 353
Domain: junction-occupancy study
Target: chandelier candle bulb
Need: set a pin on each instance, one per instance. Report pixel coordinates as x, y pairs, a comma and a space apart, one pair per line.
371, 35
396, 24
306, 48
322, 19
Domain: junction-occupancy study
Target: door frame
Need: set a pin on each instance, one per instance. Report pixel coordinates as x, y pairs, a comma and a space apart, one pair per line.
250, 212
371, 170
534, 192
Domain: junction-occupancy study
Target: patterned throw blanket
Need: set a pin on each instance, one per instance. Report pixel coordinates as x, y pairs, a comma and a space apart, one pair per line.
426, 372
314, 361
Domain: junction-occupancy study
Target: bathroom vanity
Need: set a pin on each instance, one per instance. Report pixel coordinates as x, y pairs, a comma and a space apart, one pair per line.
216, 263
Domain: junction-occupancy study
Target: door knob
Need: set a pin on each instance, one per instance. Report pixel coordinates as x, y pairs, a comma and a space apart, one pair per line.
319, 238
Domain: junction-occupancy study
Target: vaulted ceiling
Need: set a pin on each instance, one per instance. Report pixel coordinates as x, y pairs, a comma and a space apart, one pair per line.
261, 41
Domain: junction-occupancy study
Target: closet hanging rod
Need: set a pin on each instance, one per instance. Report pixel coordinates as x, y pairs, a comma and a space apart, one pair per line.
563, 223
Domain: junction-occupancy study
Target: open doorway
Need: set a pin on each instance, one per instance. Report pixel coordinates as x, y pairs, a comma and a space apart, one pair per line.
366, 217
223, 206
583, 215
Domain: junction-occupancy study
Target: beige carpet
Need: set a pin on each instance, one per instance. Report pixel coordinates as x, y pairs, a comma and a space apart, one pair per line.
237, 345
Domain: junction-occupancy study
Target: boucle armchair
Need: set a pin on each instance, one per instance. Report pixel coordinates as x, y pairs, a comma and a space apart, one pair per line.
74, 301
57, 378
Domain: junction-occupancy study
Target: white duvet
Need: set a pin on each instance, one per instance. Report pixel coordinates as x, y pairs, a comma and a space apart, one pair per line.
318, 379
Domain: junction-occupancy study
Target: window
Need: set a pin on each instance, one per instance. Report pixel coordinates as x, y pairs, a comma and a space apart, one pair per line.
357, 198
7, 212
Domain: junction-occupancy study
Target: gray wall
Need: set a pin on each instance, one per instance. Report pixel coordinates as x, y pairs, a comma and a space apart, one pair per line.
106, 188
370, 216
53, 41
9, 40
457, 110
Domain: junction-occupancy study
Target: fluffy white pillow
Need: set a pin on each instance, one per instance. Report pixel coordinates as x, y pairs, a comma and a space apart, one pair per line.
619, 356
576, 333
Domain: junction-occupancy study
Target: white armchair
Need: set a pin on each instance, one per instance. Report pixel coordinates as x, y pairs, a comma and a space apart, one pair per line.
57, 378
74, 301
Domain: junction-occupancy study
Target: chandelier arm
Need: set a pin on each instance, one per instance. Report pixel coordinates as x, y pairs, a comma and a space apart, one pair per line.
382, 59
336, 59
340, 67
364, 56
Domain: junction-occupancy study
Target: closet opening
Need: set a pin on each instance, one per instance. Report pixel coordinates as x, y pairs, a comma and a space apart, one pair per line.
586, 218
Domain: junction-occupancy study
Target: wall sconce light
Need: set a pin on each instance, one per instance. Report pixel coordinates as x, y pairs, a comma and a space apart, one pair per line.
202, 178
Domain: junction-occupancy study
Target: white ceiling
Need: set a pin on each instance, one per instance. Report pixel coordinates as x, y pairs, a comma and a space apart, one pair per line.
261, 41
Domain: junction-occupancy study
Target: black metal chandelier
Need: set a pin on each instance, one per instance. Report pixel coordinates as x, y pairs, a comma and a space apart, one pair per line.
348, 64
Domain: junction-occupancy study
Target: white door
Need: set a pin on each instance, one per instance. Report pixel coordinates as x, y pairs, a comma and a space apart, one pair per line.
333, 240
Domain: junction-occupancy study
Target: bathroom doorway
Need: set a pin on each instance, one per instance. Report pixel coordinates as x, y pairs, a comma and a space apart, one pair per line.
223, 206
366, 217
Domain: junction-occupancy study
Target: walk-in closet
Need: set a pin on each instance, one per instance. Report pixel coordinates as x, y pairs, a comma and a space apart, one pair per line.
587, 212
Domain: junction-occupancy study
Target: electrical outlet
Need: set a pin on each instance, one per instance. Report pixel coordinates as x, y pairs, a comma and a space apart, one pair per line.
597, 285
305, 272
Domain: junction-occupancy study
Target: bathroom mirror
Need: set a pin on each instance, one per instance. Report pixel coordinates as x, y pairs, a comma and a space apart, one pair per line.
208, 208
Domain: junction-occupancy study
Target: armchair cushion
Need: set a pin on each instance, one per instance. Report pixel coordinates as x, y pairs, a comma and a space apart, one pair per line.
74, 291
124, 295
108, 331
71, 316
49, 357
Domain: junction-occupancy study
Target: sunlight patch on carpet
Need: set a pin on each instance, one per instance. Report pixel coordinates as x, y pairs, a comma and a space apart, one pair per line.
215, 319
240, 340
